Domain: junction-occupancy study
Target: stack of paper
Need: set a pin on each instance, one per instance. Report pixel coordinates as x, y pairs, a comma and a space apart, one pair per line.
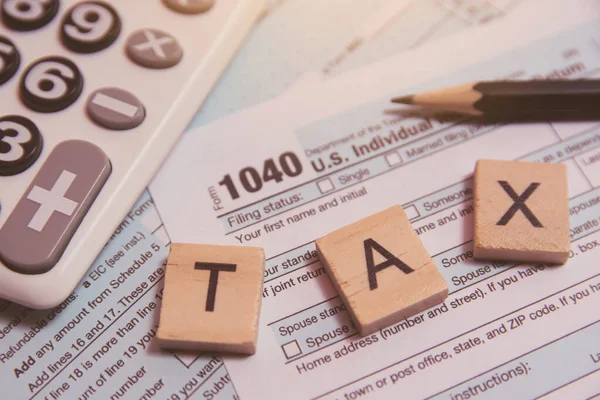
345, 152
336, 150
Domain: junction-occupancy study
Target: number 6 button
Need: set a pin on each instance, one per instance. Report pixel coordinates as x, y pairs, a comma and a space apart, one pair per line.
51, 84
20, 144
90, 27
36, 233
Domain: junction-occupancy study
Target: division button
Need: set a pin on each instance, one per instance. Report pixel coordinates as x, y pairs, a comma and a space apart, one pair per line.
115, 108
28, 15
152, 48
190, 6
9, 59
51, 84
89, 27
20, 144
36, 233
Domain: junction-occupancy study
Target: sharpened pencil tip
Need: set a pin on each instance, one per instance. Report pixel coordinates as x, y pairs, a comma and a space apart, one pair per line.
403, 100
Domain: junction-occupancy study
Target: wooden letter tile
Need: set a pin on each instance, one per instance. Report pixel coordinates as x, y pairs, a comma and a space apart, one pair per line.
212, 297
381, 270
521, 211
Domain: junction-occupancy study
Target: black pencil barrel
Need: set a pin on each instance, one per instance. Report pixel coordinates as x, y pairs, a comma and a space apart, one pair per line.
519, 97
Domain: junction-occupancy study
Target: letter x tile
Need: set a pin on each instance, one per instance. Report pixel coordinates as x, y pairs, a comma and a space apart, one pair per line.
521, 211
381, 270
212, 297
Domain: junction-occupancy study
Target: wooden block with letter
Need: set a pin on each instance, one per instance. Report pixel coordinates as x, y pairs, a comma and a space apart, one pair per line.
521, 211
212, 298
381, 270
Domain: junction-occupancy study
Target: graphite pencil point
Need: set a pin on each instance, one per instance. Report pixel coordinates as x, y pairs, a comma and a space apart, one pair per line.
403, 99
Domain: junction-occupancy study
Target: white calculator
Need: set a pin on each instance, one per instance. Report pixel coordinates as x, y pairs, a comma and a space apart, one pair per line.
93, 95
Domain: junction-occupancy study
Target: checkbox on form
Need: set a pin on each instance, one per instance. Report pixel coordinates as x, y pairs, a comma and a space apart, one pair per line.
291, 349
412, 212
325, 185
393, 158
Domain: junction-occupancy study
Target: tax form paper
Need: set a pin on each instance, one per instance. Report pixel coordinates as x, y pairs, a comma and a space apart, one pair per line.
285, 173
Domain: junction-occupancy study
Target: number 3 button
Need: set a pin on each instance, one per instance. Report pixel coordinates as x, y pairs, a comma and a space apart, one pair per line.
20, 144
51, 84
89, 27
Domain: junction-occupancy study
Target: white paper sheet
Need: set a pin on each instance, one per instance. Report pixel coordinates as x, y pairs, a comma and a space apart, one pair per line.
98, 343
298, 36
505, 331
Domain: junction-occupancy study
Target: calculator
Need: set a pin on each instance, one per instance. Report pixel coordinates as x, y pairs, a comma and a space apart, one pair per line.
93, 95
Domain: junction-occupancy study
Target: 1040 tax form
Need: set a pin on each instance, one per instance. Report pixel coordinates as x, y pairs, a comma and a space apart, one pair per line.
285, 173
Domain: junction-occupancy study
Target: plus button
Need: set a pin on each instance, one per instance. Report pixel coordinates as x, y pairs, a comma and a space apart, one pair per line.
52, 200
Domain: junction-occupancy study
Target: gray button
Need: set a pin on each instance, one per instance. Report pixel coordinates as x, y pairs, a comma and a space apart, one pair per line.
190, 6
36, 233
114, 108
152, 48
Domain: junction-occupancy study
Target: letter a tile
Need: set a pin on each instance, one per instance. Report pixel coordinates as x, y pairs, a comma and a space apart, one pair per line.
381, 270
211, 299
521, 211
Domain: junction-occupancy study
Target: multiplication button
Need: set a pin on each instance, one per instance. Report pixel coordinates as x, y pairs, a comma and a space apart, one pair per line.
36, 233
28, 15
152, 48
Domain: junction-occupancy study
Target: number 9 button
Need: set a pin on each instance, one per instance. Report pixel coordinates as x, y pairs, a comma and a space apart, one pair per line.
51, 84
89, 27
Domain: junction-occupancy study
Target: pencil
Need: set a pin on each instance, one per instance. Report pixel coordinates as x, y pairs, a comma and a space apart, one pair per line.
513, 97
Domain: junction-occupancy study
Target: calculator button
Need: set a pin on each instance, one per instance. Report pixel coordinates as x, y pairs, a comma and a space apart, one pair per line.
51, 84
9, 59
28, 15
190, 6
152, 48
89, 27
20, 144
36, 233
116, 109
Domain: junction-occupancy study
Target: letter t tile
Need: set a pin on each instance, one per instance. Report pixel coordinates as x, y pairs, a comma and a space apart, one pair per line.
212, 297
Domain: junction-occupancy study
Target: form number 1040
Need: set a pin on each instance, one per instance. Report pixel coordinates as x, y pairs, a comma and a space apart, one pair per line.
288, 164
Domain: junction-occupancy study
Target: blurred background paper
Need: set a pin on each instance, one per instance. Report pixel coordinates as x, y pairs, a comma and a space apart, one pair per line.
330, 37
